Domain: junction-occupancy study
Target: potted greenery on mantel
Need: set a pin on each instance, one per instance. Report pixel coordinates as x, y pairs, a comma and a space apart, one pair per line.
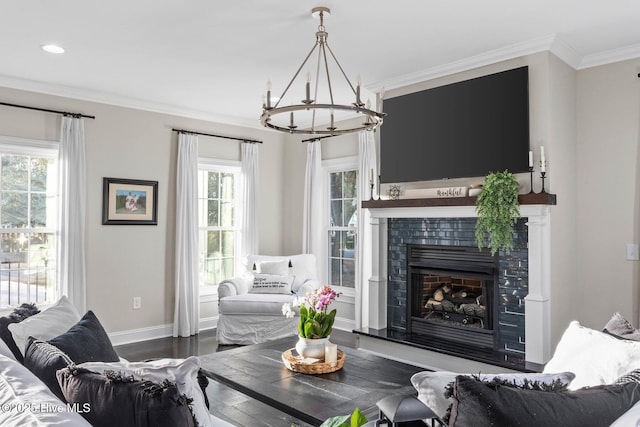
498, 211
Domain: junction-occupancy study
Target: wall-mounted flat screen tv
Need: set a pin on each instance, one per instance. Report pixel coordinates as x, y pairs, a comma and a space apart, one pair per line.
464, 129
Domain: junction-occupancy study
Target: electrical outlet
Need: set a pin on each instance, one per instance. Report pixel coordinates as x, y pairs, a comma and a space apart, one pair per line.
632, 252
137, 303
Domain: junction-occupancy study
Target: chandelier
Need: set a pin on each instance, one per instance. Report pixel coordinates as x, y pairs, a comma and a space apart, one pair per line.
311, 115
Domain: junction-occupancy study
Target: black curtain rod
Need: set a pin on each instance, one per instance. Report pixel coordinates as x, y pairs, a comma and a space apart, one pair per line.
317, 138
64, 113
252, 141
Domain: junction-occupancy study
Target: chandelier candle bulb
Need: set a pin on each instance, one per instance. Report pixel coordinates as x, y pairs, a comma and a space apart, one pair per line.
331, 354
268, 94
308, 87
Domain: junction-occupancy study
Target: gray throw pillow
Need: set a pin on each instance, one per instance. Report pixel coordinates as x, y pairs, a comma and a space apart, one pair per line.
620, 327
431, 385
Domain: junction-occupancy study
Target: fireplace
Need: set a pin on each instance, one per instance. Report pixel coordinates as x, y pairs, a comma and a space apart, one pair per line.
522, 326
451, 294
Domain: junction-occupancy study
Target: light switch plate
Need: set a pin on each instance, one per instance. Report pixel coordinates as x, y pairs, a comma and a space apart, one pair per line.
632, 252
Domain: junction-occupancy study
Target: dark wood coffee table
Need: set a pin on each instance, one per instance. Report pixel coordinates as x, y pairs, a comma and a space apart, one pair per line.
257, 371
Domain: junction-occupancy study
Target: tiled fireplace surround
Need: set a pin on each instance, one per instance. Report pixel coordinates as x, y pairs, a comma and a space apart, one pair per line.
524, 327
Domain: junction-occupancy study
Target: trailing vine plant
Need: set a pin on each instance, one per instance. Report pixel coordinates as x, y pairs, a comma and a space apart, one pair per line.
498, 211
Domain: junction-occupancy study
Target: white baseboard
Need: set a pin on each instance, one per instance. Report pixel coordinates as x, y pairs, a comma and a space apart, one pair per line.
344, 324
155, 332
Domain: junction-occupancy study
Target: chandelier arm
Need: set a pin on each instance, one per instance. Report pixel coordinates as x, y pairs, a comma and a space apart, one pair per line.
296, 74
315, 94
326, 67
340, 67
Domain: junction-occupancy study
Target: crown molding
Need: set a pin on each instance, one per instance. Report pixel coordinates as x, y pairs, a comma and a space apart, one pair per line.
610, 56
123, 101
487, 58
553, 44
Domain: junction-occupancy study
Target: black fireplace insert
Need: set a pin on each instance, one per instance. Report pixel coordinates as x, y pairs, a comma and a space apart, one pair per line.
452, 293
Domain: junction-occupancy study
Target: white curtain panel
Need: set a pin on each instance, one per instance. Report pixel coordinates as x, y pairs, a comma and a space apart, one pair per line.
368, 166
71, 214
186, 317
314, 238
249, 244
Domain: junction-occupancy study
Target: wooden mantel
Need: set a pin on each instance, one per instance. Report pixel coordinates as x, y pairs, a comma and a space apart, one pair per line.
524, 199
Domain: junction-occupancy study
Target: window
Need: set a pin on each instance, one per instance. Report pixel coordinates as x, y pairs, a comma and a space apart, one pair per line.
218, 222
28, 221
343, 225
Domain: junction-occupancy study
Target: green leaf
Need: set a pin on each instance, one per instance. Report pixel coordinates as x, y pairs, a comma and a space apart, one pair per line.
357, 418
339, 421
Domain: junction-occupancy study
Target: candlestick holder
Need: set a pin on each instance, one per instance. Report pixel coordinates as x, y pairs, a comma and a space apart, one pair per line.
379, 198
531, 179
542, 176
371, 185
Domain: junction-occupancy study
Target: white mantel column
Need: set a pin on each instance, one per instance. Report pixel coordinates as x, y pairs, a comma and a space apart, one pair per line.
538, 301
374, 299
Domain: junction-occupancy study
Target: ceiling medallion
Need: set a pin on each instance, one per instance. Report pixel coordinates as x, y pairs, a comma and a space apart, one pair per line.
313, 115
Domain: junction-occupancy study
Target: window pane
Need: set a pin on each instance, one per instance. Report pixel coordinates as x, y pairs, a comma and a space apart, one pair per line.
212, 271
334, 272
228, 243
227, 269
27, 268
213, 214
226, 214
336, 185
349, 189
348, 273
203, 205
213, 244
227, 187
15, 172
38, 210
334, 244
39, 168
336, 213
349, 209
212, 186
14, 209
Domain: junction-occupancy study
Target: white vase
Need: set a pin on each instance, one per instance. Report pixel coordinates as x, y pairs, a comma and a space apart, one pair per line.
311, 347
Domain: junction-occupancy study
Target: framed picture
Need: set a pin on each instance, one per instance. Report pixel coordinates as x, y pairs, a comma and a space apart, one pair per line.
129, 202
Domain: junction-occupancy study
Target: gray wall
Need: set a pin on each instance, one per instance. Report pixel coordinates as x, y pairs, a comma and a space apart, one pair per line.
588, 121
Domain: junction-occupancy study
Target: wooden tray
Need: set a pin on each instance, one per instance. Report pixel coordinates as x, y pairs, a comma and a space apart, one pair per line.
293, 363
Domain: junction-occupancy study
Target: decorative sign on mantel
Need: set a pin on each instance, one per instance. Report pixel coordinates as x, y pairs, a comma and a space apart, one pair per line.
426, 193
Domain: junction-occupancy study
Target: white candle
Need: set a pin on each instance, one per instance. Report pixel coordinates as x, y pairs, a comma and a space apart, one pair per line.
530, 158
543, 161
268, 94
371, 177
331, 353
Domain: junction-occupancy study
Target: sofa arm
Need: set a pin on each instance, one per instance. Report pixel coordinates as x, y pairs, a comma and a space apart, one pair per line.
308, 286
234, 286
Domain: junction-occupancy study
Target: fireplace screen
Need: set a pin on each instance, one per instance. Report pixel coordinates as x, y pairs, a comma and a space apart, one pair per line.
451, 299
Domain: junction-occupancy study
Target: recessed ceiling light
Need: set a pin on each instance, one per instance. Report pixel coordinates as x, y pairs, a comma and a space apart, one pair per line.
52, 48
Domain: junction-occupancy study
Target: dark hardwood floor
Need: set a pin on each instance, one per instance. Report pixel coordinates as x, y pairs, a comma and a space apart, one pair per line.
224, 402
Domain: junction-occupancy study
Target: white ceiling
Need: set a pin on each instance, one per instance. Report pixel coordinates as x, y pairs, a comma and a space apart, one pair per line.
211, 59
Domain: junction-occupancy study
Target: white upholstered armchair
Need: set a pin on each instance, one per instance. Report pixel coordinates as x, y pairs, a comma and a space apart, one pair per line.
250, 304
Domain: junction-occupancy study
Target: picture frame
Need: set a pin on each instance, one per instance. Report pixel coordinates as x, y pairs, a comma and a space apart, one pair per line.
129, 202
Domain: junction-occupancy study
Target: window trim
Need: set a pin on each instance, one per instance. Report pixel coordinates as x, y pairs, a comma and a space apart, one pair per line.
207, 293
340, 164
